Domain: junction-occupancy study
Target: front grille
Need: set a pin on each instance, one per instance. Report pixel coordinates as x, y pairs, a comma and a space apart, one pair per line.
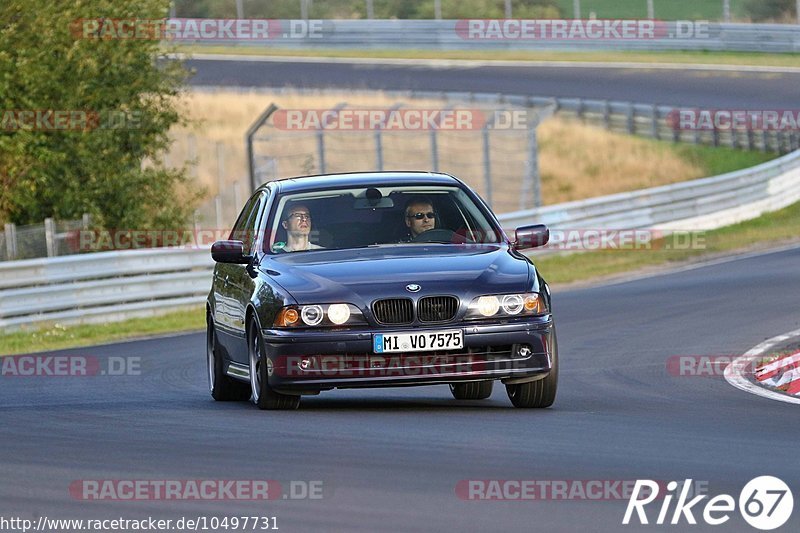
437, 308
393, 311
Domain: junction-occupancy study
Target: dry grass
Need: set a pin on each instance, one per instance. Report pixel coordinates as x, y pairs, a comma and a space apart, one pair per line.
579, 161
576, 161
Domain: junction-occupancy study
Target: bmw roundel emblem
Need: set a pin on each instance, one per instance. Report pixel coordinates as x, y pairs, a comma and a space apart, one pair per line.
413, 287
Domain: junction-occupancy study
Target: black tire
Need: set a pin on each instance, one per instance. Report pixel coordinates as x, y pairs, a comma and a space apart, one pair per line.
260, 392
223, 388
476, 390
540, 393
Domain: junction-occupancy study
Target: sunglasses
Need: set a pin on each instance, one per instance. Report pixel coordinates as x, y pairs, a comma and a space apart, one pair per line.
420, 216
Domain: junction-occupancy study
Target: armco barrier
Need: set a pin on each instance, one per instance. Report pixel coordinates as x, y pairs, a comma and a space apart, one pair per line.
452, 35
102, 287
110, 286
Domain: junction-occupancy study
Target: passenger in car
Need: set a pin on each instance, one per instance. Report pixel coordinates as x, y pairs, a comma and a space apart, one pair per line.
420, 216
297, 223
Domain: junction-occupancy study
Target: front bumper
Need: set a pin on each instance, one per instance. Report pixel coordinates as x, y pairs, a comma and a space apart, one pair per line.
309, 361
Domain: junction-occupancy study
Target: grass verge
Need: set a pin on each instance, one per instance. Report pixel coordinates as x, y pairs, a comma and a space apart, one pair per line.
56, 336
771, 228
656, 57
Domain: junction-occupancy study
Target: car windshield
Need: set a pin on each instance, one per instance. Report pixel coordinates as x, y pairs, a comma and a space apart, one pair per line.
373, 216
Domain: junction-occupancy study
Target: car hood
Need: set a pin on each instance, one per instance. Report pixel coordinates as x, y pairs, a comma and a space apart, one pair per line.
362, 275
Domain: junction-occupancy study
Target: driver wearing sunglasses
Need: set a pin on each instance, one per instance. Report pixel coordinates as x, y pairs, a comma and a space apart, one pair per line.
420, 216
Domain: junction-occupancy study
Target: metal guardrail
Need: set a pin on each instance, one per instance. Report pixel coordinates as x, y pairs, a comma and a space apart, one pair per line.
706, 203
111, 286
105, 286
451, 35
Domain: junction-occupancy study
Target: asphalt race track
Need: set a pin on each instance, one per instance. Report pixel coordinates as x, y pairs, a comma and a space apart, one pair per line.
391, 459
701, 88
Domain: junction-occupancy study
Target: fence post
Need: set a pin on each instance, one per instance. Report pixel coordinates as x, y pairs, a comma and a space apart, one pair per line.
378, 149
220, 167
50, 236
629, 112
487, 164
11, 241
764, 141
533, 169
218, 211
654, 124
237, 195
607, 114
751, 139
321, 150
434, 151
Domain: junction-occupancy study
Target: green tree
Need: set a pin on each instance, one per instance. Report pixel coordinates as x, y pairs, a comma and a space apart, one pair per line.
105, 169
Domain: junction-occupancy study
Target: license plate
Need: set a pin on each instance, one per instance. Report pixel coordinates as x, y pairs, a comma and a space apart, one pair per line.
418, 342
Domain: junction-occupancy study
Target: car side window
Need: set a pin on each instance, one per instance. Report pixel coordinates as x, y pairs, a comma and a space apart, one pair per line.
244, 230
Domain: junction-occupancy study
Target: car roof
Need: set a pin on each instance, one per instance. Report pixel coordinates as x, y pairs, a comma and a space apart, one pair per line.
362, 179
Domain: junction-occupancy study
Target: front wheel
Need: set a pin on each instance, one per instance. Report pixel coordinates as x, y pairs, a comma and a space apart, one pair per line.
261, 393
479, 390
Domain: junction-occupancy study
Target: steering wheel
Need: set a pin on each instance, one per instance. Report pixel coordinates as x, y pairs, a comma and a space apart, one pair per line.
435, 235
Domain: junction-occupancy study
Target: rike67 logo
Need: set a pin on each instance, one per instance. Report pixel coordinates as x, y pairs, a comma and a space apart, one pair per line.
765, 503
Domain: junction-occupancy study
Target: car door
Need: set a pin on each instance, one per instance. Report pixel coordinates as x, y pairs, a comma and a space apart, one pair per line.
242, 279
235, 284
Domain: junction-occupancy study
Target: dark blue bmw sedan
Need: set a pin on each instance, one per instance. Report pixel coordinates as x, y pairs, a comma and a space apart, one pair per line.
377, 279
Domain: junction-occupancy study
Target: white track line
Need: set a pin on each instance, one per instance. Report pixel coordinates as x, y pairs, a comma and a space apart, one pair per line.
473, 63
734, 372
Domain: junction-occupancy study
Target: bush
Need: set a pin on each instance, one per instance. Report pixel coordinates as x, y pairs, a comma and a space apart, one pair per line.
99, 167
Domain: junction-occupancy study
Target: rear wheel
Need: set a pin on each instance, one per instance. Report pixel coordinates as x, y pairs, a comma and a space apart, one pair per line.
261, 393
478, 390
223, 388
540, 393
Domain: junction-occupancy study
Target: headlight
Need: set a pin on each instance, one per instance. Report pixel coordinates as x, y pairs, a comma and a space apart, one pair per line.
312, 315
338, 313
506, 305
318, 315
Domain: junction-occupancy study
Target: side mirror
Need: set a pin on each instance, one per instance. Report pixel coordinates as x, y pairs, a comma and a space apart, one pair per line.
229, 252
531, 236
